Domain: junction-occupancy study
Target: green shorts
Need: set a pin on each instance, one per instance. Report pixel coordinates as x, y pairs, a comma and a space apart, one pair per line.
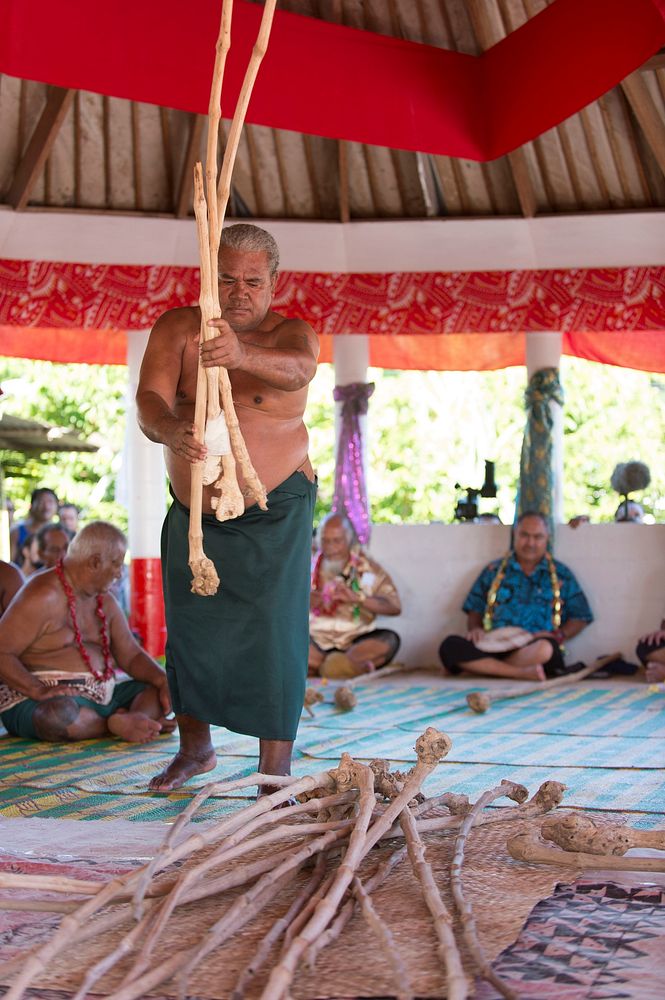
18, 720
239, 657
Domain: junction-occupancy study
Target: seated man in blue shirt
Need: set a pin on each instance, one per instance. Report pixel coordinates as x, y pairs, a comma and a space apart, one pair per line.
521, 611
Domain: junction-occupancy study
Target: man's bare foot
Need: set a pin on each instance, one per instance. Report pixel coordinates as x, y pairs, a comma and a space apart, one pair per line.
134, 727
655, 672
181, 769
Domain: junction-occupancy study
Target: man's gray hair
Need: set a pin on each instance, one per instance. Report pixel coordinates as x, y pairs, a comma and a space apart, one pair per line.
97, 538
251, 239
345, 523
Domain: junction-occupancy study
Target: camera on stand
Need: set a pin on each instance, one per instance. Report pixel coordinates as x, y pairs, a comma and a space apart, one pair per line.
466, 509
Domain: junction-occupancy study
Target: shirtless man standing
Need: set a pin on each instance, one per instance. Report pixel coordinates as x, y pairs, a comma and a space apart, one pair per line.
61, 639
239, 658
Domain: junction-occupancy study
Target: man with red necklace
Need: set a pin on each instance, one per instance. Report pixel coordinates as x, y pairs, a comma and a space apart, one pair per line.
62, 640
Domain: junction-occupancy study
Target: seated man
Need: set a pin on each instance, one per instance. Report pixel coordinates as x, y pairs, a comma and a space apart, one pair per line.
651, 652
528, 589
348, 591
52, 543
61, 641
11, 581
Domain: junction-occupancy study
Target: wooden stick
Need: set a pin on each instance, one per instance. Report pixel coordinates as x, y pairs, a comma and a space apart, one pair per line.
456, 982
279, 928
528, 847
431, 747
248, 902
403, 990
258, 52
254, 488
50, 883
348, 774
377, 675
518, 793
347, 911
577, 832
480, 701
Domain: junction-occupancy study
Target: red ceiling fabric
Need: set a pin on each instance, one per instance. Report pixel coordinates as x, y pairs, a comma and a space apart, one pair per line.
349, 84
614, 315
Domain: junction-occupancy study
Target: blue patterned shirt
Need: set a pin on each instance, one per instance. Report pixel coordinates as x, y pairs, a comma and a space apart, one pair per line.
526, 601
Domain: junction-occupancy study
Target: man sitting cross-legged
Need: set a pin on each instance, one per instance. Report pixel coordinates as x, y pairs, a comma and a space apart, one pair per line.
61, 640
651, 651
521, 611
349, 590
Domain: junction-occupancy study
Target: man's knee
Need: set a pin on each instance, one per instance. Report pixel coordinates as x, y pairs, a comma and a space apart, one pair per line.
544, 649
53, 718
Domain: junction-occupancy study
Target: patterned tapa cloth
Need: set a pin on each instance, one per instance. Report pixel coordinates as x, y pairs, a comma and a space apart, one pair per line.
536, 477
86, 686
590, 939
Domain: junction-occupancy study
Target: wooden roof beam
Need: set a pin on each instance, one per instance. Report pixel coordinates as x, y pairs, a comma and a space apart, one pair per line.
192, 154
657, 61
647, 114
489, 29
343, 167
46, 131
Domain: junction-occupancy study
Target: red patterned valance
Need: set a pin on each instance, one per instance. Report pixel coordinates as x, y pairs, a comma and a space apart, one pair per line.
403, 312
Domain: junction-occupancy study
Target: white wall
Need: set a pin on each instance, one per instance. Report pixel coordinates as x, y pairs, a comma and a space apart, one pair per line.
621, 568
612, 239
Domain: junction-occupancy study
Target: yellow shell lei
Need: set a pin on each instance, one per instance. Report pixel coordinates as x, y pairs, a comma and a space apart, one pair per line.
557, 603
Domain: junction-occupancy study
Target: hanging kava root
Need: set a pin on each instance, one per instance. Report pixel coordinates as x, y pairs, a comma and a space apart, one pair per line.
215, 421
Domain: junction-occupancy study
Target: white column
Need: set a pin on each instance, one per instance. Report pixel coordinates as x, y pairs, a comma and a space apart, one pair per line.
351, 361
543, 350
146, 488
146, 502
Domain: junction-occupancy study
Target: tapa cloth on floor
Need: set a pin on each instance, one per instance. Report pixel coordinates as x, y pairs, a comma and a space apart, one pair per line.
590, 939
239, 658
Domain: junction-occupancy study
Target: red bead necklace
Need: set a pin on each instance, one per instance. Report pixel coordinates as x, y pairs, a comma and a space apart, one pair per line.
109, 670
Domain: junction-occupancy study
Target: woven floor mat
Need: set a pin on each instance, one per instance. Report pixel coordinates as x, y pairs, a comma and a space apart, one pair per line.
381, 705
500, 748
72, 803
583, 710
587, 788
353, 966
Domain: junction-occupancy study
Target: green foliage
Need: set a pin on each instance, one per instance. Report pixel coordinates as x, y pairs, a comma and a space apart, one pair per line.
430, 430
89, 399
427, 431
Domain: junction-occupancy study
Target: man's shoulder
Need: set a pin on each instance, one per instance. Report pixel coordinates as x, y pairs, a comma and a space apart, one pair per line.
562, 569
179, 321
491, 567
10, 573
285, 326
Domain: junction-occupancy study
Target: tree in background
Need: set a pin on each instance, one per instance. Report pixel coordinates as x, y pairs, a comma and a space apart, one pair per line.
89, 399
427, 431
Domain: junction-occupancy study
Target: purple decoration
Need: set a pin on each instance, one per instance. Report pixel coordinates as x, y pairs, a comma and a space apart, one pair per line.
350, 492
